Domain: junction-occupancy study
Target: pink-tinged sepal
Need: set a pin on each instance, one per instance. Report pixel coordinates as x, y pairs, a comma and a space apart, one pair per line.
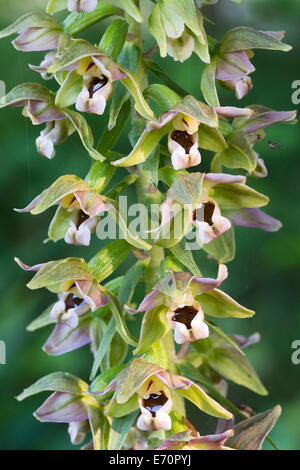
64, 338
223, 178
265, 117
233, 112
254, 218
37, 39
199, 285
152, 300
86, 6
42, 69
24, 266
61, 408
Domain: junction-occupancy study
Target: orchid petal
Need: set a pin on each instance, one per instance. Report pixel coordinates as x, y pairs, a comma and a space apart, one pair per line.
201, 284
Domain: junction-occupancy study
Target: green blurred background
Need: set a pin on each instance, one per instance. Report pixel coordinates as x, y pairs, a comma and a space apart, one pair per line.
264, 275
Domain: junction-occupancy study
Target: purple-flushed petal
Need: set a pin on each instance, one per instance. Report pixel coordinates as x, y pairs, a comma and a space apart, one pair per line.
244, 342
200, 285
61, 407
224, 178
266, 119
152, 300
40, 112
35, 267
175, 382
254, 218
42, 68
64, 339
163, 120
30, 206
233, 112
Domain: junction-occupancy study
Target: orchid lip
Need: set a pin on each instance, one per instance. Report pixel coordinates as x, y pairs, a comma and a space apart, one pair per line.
154, 402
96, 84
205, 213
81, 218
72, 301
185, 315
184, 139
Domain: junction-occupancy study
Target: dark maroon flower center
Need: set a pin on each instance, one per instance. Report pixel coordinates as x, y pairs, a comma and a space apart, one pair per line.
206, 211
155, 402
81, 217
96, 84
72, 301
209, 208
185, 315
184, 139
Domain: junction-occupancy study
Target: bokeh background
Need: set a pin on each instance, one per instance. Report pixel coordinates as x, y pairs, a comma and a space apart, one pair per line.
264, 275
